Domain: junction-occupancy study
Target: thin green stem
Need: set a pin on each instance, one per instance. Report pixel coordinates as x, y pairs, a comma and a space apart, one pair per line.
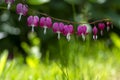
64, 72
66, 21
71, 22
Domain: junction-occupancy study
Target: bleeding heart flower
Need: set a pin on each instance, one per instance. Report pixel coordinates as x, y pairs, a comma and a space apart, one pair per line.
45, 23
33, 21
82, 31
101, 26
58, 28
21, 10
67, 31
95, 31
9, 2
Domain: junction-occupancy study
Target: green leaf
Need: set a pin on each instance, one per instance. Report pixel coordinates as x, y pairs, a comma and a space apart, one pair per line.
74, 1
3, 60
116, 40
32, 62
37, 2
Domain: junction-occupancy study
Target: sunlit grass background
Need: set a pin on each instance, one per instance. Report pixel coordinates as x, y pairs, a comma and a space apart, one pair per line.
78, 60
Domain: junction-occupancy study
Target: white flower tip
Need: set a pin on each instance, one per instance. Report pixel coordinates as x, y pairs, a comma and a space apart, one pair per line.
58, 36
108, 28
8, 6
19, 17
83, 37
95, 37
45, 30
68, 37
32, 28
101, 32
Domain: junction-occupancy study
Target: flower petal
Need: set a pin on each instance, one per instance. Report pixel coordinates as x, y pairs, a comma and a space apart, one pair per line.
42, 21
36, 21
19, 8
48, 22
30, 20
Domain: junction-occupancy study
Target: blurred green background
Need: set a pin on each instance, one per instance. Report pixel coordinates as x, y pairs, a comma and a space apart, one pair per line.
34, 56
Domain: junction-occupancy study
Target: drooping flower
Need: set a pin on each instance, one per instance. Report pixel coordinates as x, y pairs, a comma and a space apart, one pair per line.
82, 31
101, 26
33, 21
58, 28
108, 26
67, 31
21, 9
95, 31
9, 2
45, 23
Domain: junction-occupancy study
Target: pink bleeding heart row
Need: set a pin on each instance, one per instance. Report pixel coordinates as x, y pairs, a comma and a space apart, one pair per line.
58, 27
